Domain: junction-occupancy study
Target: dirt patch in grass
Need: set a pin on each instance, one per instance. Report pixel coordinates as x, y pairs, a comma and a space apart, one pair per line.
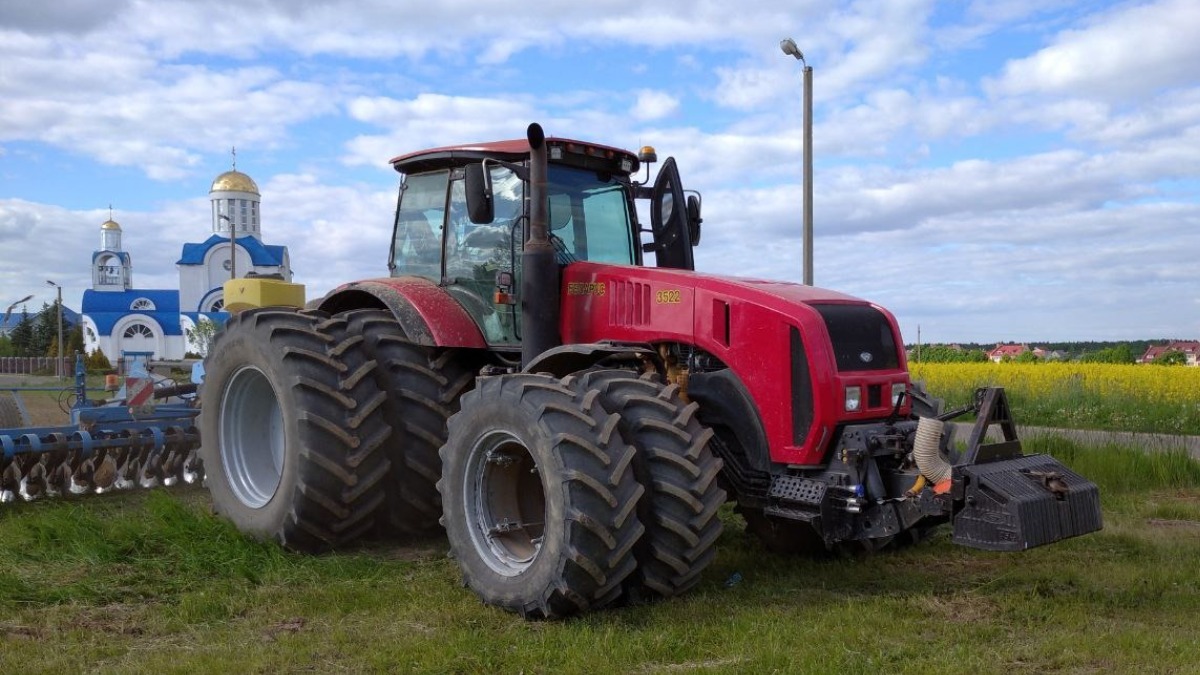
1189, 496
20, 632
1173, 524
414, 550
295, 624
114, 619
722, 665
958, 607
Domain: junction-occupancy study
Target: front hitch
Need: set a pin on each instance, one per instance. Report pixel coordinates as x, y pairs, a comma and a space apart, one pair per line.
1003, 500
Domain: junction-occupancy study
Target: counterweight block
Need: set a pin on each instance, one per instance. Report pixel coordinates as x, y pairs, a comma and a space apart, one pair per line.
1020, 503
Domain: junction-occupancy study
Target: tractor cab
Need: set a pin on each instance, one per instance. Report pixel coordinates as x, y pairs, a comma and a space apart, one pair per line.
463, 216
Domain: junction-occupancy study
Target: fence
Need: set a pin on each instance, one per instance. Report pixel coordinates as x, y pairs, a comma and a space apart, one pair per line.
33, 365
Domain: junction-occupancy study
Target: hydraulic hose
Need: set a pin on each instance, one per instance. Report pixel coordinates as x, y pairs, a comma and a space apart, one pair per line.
927, 451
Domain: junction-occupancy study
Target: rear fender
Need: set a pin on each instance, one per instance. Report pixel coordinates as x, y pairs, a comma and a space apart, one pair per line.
427, 314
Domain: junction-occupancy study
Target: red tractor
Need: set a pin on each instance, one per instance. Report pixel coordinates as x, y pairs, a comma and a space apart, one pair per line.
575, 419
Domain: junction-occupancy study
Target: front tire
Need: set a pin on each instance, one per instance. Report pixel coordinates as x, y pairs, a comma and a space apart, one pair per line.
539, 497
680, 474
291, 429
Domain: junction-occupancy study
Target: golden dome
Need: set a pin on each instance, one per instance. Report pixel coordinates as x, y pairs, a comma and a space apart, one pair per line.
234, 181
110, 225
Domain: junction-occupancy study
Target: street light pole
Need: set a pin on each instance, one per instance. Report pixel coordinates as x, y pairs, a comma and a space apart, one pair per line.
58, 367
788, 45
232, 246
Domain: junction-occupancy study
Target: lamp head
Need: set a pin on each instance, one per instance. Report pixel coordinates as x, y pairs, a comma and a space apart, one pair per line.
788, 46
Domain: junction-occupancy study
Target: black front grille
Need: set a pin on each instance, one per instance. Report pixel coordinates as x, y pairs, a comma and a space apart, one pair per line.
862, 337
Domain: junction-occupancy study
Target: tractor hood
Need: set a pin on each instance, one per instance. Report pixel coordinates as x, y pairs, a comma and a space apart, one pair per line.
785, 342
641, 295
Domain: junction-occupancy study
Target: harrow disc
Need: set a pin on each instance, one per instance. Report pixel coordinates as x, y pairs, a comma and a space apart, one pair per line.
57, 463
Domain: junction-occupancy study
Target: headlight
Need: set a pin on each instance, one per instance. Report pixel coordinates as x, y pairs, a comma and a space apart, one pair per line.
853, 398
898, 389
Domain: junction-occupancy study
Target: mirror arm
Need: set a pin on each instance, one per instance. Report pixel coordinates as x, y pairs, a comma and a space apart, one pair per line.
520, 170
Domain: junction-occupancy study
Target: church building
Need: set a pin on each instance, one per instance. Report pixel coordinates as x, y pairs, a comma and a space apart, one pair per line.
119, 318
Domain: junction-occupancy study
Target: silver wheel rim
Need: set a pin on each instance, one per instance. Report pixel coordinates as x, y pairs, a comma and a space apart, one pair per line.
505, 503
251, 441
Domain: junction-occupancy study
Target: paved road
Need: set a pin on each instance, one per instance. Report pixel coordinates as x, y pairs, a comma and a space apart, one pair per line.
1148, 442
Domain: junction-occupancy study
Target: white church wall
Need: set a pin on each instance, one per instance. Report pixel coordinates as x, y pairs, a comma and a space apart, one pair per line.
91, 335
192, 286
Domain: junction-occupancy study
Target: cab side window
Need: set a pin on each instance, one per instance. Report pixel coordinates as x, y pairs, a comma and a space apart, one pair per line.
417, 242
477, 250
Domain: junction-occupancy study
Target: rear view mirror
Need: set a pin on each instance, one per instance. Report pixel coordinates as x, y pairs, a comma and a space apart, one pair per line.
480, 207
693, 218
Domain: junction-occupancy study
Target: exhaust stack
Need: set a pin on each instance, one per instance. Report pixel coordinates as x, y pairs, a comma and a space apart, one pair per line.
539, 281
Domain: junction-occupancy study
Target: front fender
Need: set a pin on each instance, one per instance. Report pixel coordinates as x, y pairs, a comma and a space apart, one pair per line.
566, 359
426, 312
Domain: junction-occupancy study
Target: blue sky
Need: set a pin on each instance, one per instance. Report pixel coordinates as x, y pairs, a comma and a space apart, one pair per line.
989, 171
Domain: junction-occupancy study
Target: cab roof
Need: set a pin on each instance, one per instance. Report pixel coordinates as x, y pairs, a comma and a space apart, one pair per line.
511, 150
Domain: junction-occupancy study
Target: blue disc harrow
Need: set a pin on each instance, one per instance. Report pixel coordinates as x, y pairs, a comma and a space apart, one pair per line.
107, 446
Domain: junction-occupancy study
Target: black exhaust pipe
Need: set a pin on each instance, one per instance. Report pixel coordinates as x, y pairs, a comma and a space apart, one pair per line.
539, 281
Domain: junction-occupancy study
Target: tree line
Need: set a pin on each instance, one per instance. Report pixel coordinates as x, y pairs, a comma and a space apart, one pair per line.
37, 335
1084, 352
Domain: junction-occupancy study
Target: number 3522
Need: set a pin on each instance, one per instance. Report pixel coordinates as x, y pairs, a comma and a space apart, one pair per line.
670, 296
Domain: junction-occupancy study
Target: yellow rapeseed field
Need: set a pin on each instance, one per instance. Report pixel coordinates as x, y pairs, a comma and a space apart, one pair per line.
1163, 399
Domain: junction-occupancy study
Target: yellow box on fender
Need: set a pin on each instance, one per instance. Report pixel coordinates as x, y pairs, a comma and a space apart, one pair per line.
249, 293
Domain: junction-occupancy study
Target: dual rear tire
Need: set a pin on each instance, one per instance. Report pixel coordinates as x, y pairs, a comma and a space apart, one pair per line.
292, 431
423, 388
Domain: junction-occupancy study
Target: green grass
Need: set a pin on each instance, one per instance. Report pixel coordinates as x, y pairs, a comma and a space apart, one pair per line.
1119, 470
149, 582
1089, 410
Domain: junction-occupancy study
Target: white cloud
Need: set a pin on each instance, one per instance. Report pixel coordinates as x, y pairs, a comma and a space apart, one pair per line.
750, 88
1127, 52
653, 105
124, 109
431, 120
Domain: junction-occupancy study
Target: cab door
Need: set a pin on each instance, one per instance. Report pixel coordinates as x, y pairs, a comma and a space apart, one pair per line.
672, 245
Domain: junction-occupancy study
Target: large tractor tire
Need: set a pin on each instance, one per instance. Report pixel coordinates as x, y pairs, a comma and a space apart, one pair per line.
680, 473
423, 387
292, 429
539, 497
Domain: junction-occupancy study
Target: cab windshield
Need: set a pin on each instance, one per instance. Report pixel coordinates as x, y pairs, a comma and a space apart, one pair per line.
589, 216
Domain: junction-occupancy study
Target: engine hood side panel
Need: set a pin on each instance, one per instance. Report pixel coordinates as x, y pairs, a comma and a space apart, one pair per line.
750, 325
